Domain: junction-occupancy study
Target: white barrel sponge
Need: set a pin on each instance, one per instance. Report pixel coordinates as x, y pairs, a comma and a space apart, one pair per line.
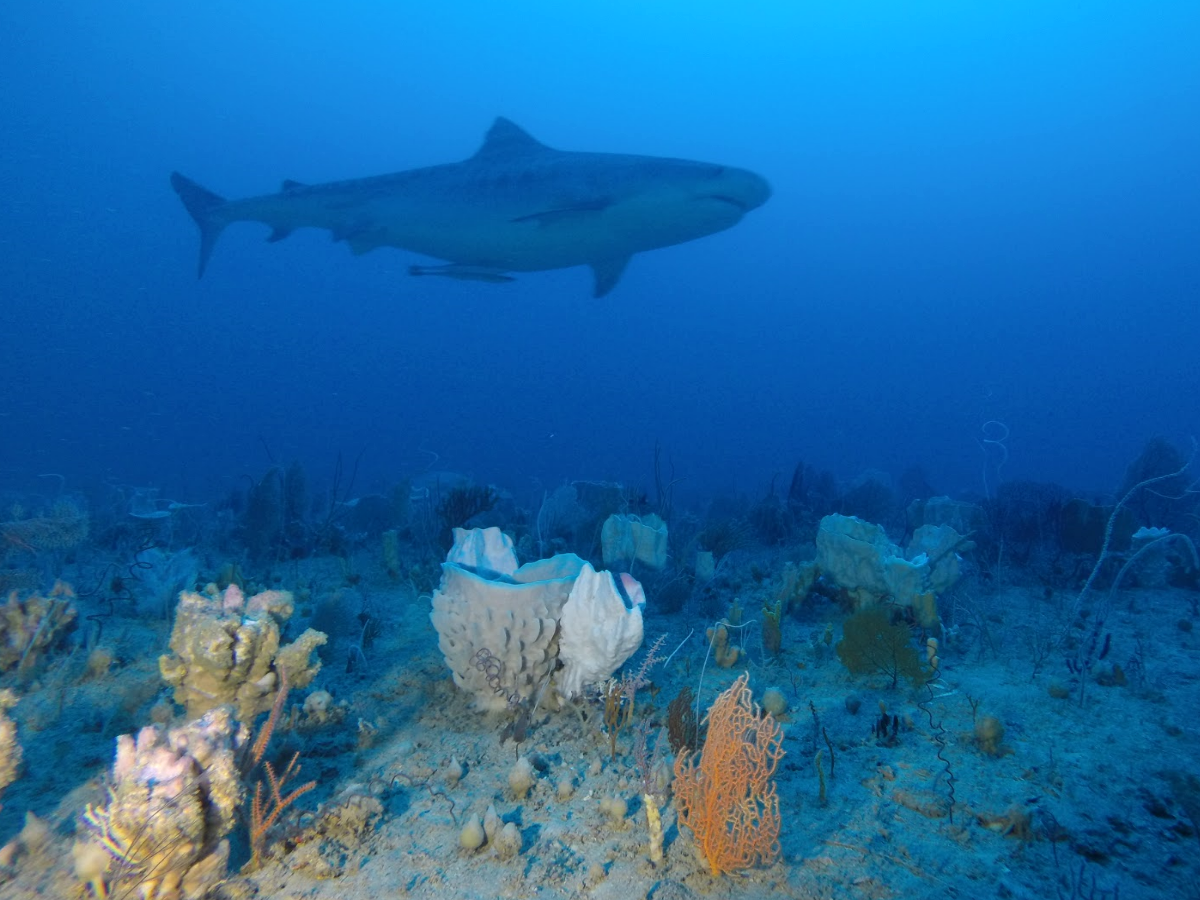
598, 629
512, 627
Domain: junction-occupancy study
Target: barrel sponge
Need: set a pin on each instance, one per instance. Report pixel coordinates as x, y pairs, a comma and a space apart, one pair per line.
599, 628
225, 648
851, 554
498, 636
503, 633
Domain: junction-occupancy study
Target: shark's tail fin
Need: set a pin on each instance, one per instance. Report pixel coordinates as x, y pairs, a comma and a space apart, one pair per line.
201, 203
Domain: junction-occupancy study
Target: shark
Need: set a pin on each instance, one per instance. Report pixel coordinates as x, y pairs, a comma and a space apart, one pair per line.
516, 205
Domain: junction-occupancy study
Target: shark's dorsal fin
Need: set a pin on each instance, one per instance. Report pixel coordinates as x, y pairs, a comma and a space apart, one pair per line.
505, 137
290, 185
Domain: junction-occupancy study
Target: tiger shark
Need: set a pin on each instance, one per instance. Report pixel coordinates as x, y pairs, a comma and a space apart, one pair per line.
515, 206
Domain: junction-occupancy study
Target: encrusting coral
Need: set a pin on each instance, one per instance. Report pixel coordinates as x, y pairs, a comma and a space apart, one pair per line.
173, 799
225, 648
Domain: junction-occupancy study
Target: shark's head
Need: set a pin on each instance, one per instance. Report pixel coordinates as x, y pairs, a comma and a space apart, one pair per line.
737, 189
678, 200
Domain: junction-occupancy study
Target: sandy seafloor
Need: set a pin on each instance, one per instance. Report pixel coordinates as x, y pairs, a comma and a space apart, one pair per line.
1094, 800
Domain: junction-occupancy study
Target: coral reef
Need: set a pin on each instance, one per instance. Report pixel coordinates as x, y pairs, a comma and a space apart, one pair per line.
173, 799
971, 764
61, 527
225, 648
31, 625
10, 750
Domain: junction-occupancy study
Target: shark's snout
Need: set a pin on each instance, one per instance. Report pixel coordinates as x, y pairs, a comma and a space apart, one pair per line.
737, 187
753, 190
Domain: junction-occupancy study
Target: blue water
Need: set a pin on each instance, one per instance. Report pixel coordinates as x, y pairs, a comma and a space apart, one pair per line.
981, 212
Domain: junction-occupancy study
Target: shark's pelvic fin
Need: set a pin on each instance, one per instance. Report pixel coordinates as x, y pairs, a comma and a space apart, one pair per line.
364, 240
608, 273
505, 137
466, 273
201, 203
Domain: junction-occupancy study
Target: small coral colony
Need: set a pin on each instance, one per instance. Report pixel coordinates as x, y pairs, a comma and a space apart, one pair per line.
568, 618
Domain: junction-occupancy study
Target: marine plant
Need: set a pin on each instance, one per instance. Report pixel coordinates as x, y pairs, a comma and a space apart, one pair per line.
682, 730
722, 536
619, 695
266, 806
461, 504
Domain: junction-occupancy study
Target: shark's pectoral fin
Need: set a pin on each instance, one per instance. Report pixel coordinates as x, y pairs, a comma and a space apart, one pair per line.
289, 186
465, 272
563, 215
608, 272
278, 233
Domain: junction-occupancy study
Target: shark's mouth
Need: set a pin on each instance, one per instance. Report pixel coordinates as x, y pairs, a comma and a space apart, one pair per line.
725, 198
